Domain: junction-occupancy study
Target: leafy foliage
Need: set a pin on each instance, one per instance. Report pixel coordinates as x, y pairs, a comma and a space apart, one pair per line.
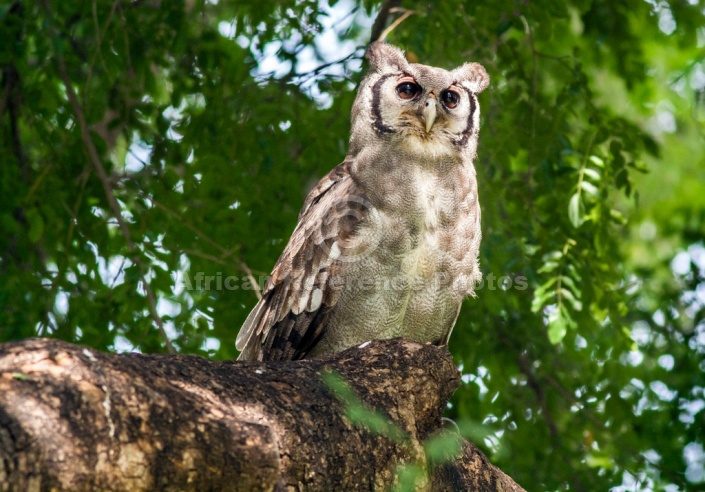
155, 156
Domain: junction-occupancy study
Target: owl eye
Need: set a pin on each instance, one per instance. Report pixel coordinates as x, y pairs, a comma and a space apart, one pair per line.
450, 99
408, 90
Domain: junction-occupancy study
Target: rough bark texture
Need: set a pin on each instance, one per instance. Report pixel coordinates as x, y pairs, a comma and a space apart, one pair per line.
75, 419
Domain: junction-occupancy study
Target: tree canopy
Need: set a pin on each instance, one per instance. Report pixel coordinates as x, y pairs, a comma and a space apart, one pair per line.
155, 155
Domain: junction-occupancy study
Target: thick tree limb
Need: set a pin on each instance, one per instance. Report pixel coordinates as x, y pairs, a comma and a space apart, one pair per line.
75, 419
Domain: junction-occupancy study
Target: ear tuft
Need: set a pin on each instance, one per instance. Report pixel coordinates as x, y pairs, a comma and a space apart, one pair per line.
473, 76
383, 56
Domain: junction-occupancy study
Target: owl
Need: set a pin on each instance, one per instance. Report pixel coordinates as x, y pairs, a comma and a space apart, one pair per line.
387, 243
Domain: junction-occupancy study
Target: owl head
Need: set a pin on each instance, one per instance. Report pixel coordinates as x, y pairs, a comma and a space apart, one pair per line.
419, 108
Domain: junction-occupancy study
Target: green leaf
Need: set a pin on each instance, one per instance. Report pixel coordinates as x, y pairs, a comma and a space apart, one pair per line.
597, 161
567, 295
548, 267
569, 282
574, 210
592, 174
633, 345
442, 447
599, 461
409, 476
36, 225
552, 256
589, 188
617, 216
358, 412
573, 272
546, 286
557, 327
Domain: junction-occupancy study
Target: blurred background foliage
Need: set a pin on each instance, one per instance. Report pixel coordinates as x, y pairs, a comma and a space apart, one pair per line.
147, 145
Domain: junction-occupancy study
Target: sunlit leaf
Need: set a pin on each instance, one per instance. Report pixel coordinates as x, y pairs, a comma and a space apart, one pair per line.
557, 327
589, 188
574, 210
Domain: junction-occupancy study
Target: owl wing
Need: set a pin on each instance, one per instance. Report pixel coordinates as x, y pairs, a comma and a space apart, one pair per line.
290, 318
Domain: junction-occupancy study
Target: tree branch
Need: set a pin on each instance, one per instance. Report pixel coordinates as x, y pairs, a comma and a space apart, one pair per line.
76, 419
13, 106
405, 14
381, 21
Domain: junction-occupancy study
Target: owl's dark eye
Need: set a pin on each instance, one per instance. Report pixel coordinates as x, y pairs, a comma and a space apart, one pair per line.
408, 90
450, 99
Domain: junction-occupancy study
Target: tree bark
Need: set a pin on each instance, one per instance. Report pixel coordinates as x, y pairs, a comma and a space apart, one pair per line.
72, 418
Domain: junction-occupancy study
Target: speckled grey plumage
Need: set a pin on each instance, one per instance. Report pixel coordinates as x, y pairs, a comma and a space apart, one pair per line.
387, 242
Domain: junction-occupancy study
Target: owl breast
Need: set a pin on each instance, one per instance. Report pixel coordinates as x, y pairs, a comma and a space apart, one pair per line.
442, 260
433, 210
429, 223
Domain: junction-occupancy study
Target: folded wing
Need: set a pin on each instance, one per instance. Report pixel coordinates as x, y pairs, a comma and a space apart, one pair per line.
305, 284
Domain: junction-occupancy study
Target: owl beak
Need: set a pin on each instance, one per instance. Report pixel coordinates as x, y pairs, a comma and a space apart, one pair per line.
429, 112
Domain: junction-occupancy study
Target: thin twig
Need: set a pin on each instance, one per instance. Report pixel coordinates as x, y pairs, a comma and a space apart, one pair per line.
119, 272
251, 277
571, 398
5, 95
396, 23
563, 60
67, 243
535, 385
12, 84
9, 73
37, 182
205, 256
225, 252
99, 41
302, 77
534, 88
93, 153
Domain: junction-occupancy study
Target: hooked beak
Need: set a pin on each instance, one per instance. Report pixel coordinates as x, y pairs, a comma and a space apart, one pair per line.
429, 112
